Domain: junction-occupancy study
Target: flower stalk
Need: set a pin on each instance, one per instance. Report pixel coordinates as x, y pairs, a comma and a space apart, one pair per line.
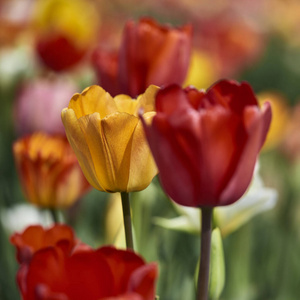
54, 215
206, 230
127, 219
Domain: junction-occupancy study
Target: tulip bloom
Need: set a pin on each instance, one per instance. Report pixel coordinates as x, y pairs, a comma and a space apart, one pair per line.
205, 144
49, 171
35, 238
42, 97
102, 274
149, 54
108, 138
66, 29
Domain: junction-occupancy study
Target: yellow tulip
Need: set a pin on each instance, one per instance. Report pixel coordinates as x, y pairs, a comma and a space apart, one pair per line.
108, 138
280, 118
202, 70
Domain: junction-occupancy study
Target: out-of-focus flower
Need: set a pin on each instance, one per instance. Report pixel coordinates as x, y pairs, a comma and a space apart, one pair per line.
149, 54
58, 271
14, 20
66, 29
202, 70
108, 138
280, 117
283, 18
35, 237
39, 98
256, 200
20, 216
49, 171
15, 62
205, 144
232, 42
291, 141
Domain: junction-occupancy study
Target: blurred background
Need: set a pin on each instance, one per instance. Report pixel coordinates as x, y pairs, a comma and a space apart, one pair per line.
46, 55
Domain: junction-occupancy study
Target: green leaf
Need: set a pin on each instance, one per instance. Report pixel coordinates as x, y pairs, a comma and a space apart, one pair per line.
217, 265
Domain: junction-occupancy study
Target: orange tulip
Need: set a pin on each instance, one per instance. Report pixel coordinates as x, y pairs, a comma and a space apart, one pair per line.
49, 171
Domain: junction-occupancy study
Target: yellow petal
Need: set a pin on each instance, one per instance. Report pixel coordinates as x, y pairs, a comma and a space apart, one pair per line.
92, 131
146, 101
92, 99
126, 104
142, 165
117, 131
79, 144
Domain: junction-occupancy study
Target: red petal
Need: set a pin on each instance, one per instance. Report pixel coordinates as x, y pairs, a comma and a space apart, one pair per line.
171, 100
232, 94
122, 264
256, 124
143, 280
84, 275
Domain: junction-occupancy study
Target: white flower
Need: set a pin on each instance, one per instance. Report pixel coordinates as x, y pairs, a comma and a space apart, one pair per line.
20, 216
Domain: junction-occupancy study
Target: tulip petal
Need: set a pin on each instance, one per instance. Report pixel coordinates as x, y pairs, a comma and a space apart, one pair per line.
100, 156
126, 104
233, 94
117, 133
92, 99
53, 273
123, 261
142, 166
256, 124
174, 174
142, 281
146, 101
79, 144
222, 138
171, 99
176, 48
109, 141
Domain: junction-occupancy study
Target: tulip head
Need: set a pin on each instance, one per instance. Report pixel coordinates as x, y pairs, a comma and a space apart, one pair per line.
59, 266
205, 144
49, 171
66, 29
108, 138
39, 98
149, 54
35, 238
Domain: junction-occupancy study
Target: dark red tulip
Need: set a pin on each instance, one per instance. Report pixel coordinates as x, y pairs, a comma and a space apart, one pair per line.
205, 144
149, 54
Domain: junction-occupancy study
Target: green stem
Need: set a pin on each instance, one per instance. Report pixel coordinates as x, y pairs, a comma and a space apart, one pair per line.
54, 215
127, 220
206, 229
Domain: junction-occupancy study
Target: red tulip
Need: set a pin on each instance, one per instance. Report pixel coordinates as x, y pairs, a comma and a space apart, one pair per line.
35, 238
106, 273
149, 54
59, 53
205, 144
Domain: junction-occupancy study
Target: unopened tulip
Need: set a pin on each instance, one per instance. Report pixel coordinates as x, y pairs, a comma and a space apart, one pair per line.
35, 238
149, 54
206, 144
49, 171
65, 30
108, 138
62, 268
39, 98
